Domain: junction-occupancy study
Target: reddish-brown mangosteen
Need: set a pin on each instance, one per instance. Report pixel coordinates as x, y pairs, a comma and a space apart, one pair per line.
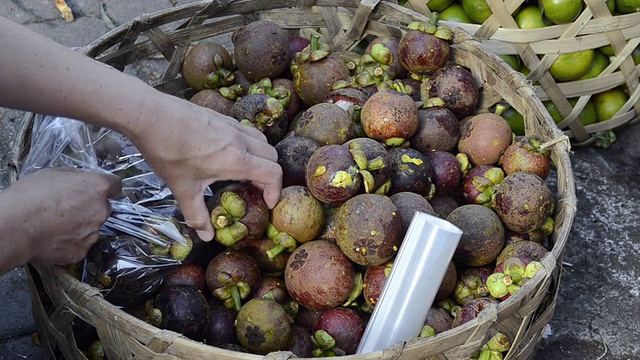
214, 100
471, 310
448, 282
296, 45
523, 201
389, 116
319, 275
374, 279
232, 276
271, 288
456, 86
483, 235
443, 205
438, 319
526, 250
447, 173
191, 274
478, 184
344, 325
424, 48
208, 66
484, 138
369, 229
295, 103
527, 155
332, 174
302, 346
438, 129
259, 251
261, 49
326, 123
315, 71
263, 112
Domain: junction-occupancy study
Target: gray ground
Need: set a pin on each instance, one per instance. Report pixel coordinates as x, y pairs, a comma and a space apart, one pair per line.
596, 315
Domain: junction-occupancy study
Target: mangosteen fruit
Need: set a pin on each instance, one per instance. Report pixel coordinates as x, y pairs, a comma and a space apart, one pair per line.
332, 174
425, 48
410, 171
214, 100
296, 45
326, 123
408, 203
345, 327
293, 155
221, 327
271, 288
469, 287
479, 182
208, 65
438, 129
295, 103
526, 250
523, 201
238, 212
448, 282
297, 214
447, 173
443, 205
484, 138
261, 49
232, 276
369, 229
387, 47
373, 160
483, 234
471, 310
191, 274
319, 276
390, 117
302, 345
374, 279
184, 310
315, 70
438, 319
263, 326
457, 87
259, 251
329, 230
262, 112
527, 155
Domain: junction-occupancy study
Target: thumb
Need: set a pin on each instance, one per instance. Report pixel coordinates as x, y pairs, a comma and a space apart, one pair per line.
196, 213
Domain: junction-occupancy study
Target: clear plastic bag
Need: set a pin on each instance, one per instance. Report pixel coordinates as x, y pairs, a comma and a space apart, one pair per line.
134, 243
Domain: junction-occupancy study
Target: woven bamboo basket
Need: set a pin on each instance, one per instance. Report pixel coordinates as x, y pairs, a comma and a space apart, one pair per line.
538, 48
58, 298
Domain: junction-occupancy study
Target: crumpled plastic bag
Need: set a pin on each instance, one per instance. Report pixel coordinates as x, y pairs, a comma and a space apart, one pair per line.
133, 250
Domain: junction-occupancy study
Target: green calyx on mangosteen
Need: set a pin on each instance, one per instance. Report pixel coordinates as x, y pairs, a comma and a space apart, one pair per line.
385, 50
523, 201
332, 174
315, 71
425, 47
238, 212
266, 86
373, 160
262, 112
208, 66
390, 117
261, 50
263, 326
369, 229
479, 182
232, 276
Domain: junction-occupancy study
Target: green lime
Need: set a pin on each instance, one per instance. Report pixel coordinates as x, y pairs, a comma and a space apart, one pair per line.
609, 102
515, 120
455, 13
587, 116
529, 17
636, 55
439, 5
611, 4
572, 65
628, 6
477, 10
598, 64
512, 60
560, 11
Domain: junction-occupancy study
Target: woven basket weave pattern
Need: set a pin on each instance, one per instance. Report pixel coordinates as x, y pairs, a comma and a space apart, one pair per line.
538, 48
58, 298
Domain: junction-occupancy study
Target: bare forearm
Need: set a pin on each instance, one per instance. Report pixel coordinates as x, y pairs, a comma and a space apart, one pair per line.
42, 76
15, 239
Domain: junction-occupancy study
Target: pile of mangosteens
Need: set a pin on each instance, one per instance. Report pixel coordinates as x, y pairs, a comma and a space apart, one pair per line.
364, 140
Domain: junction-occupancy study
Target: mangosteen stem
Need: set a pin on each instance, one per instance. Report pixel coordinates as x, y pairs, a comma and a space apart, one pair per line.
314, 43
382, 54
233, 204
220, 218
235, 295
283, 242
219, 78
230, 235
427, 331
358, 282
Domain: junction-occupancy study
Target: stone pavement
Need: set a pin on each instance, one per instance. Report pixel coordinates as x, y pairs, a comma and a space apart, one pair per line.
596, 315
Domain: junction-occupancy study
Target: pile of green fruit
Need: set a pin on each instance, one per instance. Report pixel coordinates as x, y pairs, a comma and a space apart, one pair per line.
365, 139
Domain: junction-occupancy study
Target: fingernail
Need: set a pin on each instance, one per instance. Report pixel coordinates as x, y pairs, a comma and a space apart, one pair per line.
205, 235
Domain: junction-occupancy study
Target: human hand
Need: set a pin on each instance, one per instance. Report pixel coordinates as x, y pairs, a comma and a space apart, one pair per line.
59, 211
191, 147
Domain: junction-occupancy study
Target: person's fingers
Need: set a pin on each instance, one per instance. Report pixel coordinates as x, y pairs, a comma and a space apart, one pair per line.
115, 185
195, 212
267, 173
261, 149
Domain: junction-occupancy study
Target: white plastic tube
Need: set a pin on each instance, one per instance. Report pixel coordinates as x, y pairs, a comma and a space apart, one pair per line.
416, 275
